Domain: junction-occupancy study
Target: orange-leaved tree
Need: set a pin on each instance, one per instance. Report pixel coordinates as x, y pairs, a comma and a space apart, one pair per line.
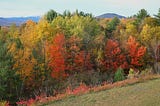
135, 52
57, 55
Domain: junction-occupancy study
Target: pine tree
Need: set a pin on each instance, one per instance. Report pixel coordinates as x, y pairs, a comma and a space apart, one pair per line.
9, 80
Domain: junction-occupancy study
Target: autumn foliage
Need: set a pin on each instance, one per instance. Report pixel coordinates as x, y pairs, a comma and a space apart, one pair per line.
114, 58
73, 48
77, 60
82, 61
46, 57
135, 52
57, 55
81, 89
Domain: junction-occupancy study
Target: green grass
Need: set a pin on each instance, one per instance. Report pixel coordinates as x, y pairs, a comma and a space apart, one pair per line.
140, 94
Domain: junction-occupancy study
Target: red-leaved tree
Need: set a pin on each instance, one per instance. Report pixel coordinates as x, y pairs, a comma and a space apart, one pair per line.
114, 57
135, 52
57, 55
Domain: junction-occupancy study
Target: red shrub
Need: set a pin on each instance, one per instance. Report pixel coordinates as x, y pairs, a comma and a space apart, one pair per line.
79, 90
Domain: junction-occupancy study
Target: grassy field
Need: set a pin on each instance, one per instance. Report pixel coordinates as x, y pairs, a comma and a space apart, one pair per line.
139, 94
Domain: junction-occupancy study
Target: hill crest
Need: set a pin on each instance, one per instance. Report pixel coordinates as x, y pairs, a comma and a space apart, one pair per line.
110, 15
17, 20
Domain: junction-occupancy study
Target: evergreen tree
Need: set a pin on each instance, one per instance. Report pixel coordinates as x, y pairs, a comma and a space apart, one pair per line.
111, 26
51, 15
140, 16
9, 80
158, 17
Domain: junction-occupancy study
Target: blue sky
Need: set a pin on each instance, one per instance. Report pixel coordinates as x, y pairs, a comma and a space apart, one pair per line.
12, 8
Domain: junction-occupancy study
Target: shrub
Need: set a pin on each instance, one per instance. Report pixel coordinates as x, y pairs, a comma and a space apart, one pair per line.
119, 75
145, 72
131, 73
81, 89
4, 103
90, 78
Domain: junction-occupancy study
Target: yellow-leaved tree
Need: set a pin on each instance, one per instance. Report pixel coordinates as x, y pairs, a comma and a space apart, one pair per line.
150, 37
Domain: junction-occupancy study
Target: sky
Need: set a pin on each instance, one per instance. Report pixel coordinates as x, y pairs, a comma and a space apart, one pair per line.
16, 8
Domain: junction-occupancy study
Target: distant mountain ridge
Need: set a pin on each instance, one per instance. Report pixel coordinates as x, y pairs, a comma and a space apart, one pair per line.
17, 20
20, 20
110, 15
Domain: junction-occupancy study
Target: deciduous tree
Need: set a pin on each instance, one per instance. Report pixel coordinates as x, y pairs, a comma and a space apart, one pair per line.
57, 55
135, 52
114, 57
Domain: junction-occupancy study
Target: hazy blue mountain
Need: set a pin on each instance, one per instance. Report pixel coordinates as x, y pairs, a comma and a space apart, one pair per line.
110, 15
20, 20
17, 20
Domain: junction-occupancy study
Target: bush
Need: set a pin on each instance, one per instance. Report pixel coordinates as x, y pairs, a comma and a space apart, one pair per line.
4, 103
131, 74
145, 72
91, 78
119, 75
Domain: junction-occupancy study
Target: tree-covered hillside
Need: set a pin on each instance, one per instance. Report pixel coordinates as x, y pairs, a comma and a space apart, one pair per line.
64, 51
